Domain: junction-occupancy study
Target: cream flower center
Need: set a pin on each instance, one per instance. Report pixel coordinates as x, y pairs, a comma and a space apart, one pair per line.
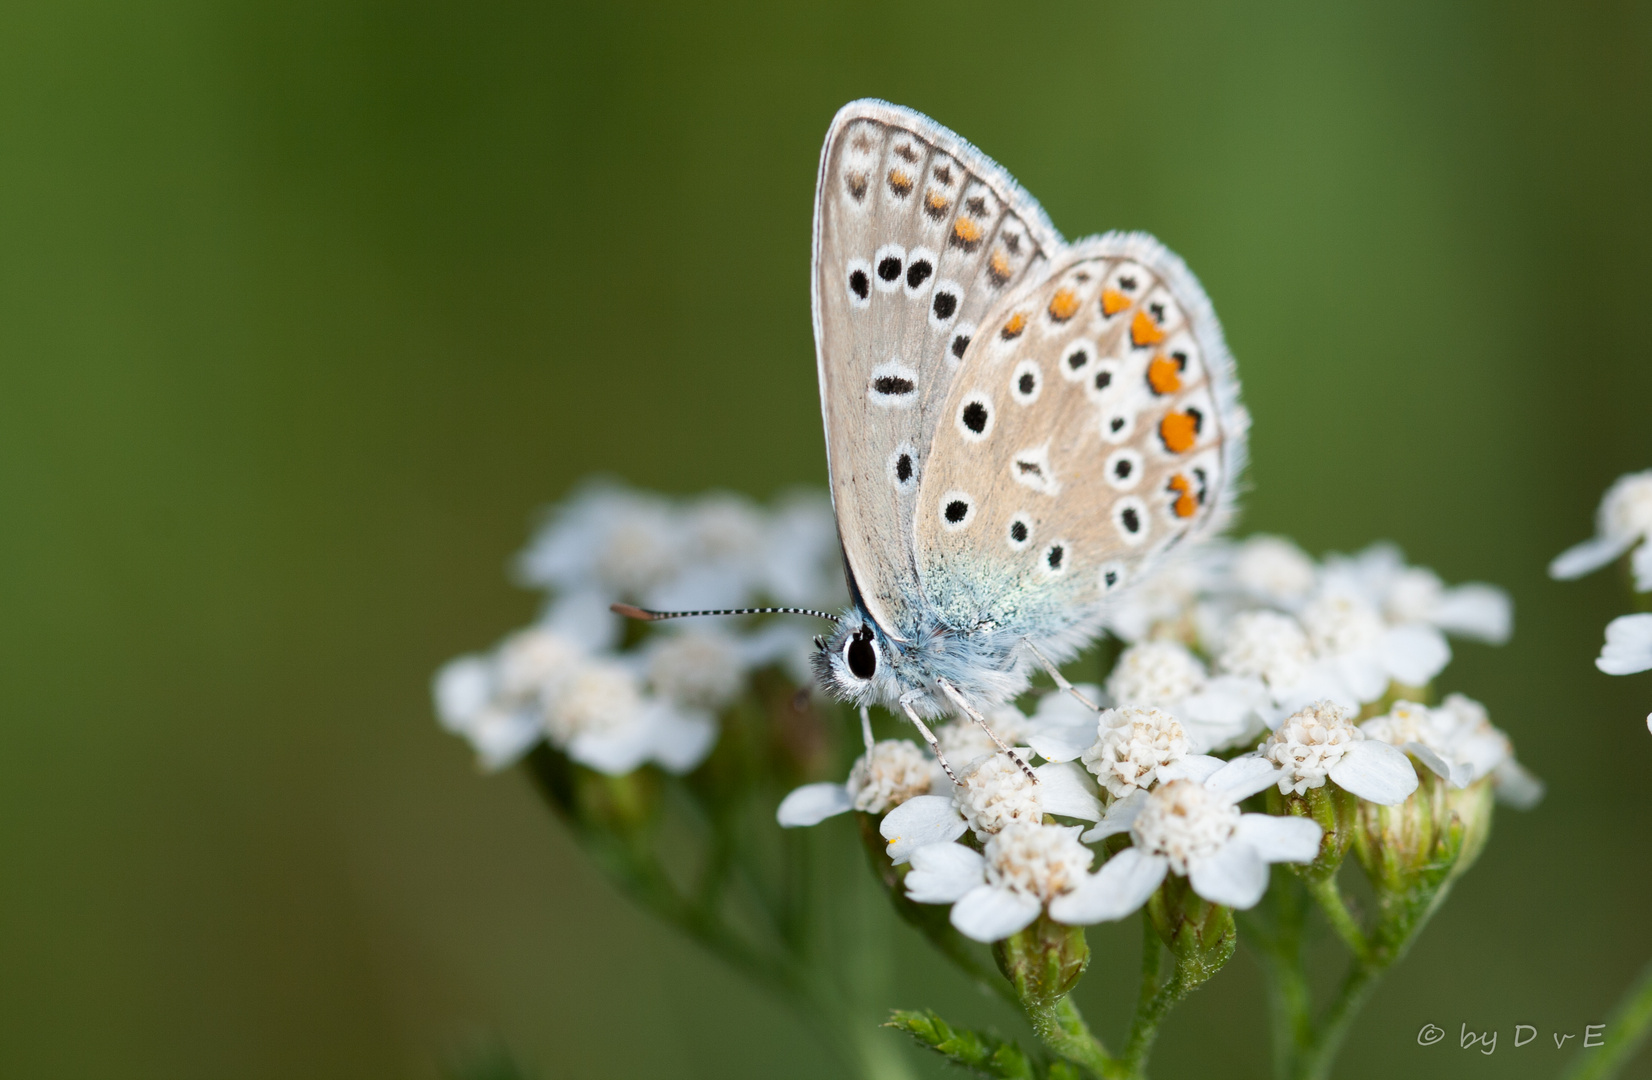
1155, 673
697, 670
1266, 645
1406, 722
599, 697
1339, 624
1273, 568
894, 771
531, 662
1042, 861
1309, 744
1184, 822
993, 792
1132, 744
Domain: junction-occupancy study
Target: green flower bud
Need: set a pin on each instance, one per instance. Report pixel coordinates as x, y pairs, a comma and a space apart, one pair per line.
1335, 811
1200, 934
1044, 961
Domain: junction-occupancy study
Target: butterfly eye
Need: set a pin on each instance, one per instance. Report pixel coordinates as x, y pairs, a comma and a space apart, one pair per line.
861, 657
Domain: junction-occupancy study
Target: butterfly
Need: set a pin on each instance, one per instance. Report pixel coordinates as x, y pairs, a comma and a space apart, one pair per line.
1016, 427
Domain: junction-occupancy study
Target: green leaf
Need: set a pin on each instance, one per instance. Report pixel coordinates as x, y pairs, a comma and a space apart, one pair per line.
982, 1054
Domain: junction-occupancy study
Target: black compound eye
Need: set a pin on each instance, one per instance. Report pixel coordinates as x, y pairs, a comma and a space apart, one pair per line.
862, 657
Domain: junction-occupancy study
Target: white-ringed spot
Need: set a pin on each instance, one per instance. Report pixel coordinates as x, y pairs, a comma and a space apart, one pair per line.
920, 272
888, 264
975, 416
857, 282
1055, 559
1123, 469
1076, 360
1130, 517
957, 509
1026, 381
893, 386
1020, 531
903, 468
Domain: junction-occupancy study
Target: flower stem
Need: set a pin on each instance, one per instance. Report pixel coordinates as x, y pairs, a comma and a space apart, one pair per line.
1330, 900
1061, 1027
1626, 1029
1153, 1003
1315, 1062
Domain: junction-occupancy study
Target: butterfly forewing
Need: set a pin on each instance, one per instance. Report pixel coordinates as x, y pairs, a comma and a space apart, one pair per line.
1093, 424
917, 236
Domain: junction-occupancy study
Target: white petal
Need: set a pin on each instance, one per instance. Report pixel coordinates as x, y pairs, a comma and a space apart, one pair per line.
1114, 891
1235, 875
500, 738
1059, 709
1243, 777
1413, 654
681, 738
1478, 611
1588, 556
1223, 701
927, 819
462, 688
1642, 566
942, 873
1120, 816
1365, 673
1437, 764
613, 752
1068, 789
812, 804
1516, 786
992, 914
1321, 680
1195, 767
1376, 772
584, 617
1628, 647
1282, 839
1061, 744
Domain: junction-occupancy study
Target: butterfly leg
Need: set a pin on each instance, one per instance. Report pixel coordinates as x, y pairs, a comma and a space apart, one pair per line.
958, 700
929, 737
866, 729
1060, 679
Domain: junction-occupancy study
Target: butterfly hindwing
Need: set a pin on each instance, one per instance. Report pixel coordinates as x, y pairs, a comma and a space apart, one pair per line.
917, 236
1094, 424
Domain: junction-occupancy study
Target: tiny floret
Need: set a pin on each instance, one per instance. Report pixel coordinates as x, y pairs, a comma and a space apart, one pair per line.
1309, 744
1039, 861
1273, 569
1155, 673
1185, 823
892, 772
1132, 744
993, 792
1267, 645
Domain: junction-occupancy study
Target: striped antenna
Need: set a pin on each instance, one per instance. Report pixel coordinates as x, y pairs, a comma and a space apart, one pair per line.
655, 616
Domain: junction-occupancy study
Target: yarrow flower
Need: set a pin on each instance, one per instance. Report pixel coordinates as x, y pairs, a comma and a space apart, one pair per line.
1214, 712
1191, 826
890, 773
1624, 521
992, 792
1020, 870
562, 680
1321, 743
1458, 743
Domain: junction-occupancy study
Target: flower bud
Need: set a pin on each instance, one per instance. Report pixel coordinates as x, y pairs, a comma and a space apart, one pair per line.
1335, 811
1043, 961
1414, 851
1200, 934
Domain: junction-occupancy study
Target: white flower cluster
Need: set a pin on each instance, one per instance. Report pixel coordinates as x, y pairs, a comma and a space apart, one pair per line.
1283, 631
1296, 646
565, 680
1622, 524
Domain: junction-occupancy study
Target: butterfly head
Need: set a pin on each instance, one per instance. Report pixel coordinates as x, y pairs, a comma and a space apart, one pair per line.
856, 662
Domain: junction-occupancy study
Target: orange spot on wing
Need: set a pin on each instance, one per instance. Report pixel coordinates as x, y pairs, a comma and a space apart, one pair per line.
899, 182
1144, 331
1063, 305
1180, 431
966, 231
1164, 375
1186, 504
935, 202
1113, 302
1000, 267
1013, 326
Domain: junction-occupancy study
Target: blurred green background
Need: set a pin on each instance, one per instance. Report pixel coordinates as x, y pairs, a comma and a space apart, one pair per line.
305, 308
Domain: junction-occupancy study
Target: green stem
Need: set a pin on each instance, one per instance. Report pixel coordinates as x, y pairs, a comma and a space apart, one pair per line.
1330, 900
1153, 1003
1626, 1029
1290, 1011
1061, 1027
1315, 1063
